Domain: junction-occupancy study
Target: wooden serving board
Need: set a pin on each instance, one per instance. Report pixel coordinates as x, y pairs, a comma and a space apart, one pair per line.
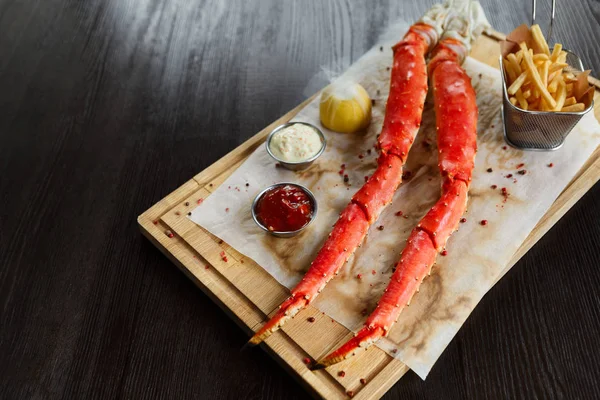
248, 294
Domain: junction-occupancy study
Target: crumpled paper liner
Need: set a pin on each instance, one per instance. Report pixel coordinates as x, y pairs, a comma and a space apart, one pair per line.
477, 254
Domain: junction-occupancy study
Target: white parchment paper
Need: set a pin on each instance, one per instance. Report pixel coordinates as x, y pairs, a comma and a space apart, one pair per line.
477, 254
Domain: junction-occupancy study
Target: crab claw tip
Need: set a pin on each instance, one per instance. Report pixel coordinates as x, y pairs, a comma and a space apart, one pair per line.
249, 344
315, 366
254, 341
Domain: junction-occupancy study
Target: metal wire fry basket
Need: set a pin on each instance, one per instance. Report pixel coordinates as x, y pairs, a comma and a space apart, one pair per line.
539, 130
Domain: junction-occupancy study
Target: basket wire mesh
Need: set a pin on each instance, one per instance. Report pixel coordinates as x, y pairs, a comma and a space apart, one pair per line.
539, 130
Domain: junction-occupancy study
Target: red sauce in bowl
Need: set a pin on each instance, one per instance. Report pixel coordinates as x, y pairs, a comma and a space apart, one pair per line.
284, 209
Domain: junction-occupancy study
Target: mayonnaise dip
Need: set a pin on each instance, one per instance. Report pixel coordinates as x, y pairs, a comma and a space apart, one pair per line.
295, 143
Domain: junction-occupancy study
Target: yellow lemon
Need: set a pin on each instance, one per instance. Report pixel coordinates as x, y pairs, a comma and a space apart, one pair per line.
345, 107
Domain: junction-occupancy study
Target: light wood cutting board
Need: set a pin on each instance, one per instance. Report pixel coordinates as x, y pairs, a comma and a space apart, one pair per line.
247, 293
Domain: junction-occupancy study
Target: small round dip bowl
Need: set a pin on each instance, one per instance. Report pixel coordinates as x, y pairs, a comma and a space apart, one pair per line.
296, 165
285, 234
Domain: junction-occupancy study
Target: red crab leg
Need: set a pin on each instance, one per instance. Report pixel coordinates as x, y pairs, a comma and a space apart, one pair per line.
456, 121
444, 216
456, 113
408, 89
415, 262
409, 75
378, 191
348, 232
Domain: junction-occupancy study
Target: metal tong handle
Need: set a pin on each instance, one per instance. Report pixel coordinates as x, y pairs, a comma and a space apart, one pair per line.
533, 9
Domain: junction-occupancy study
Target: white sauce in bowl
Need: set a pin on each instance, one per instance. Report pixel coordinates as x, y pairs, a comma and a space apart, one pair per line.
296, 143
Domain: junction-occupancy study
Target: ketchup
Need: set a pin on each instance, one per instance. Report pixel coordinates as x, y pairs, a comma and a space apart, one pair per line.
284, 209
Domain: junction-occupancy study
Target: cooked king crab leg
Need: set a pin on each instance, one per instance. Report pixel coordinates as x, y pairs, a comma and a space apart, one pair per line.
401, 124
456, 121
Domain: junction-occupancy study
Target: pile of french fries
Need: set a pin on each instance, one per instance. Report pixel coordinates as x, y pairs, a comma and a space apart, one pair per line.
537, 81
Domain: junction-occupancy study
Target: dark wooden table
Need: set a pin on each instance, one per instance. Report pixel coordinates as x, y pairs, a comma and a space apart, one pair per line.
107, 106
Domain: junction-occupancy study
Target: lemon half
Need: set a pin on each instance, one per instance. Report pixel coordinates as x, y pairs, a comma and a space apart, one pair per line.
345, 107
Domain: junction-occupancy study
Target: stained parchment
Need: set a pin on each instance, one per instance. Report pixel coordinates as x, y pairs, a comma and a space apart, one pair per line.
476, 253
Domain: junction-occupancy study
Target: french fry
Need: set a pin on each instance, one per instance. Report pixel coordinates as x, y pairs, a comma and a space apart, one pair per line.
551, 77
561, 96
509, 70
557, 67
521, 99
556, 51
574, 108
519, 56
544, 72
517, 83
515, 64
540, 57
569, 77
553, 85
538, 38
537, 80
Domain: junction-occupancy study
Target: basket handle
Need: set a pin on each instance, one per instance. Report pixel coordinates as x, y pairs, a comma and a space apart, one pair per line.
552, 13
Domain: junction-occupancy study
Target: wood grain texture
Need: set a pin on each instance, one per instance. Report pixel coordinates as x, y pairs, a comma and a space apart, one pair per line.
108, 105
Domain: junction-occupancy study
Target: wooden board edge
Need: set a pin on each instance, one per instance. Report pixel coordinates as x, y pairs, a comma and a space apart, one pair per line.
155, 232
153, 228
169, 201
311, 382
384, 380
153, 237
